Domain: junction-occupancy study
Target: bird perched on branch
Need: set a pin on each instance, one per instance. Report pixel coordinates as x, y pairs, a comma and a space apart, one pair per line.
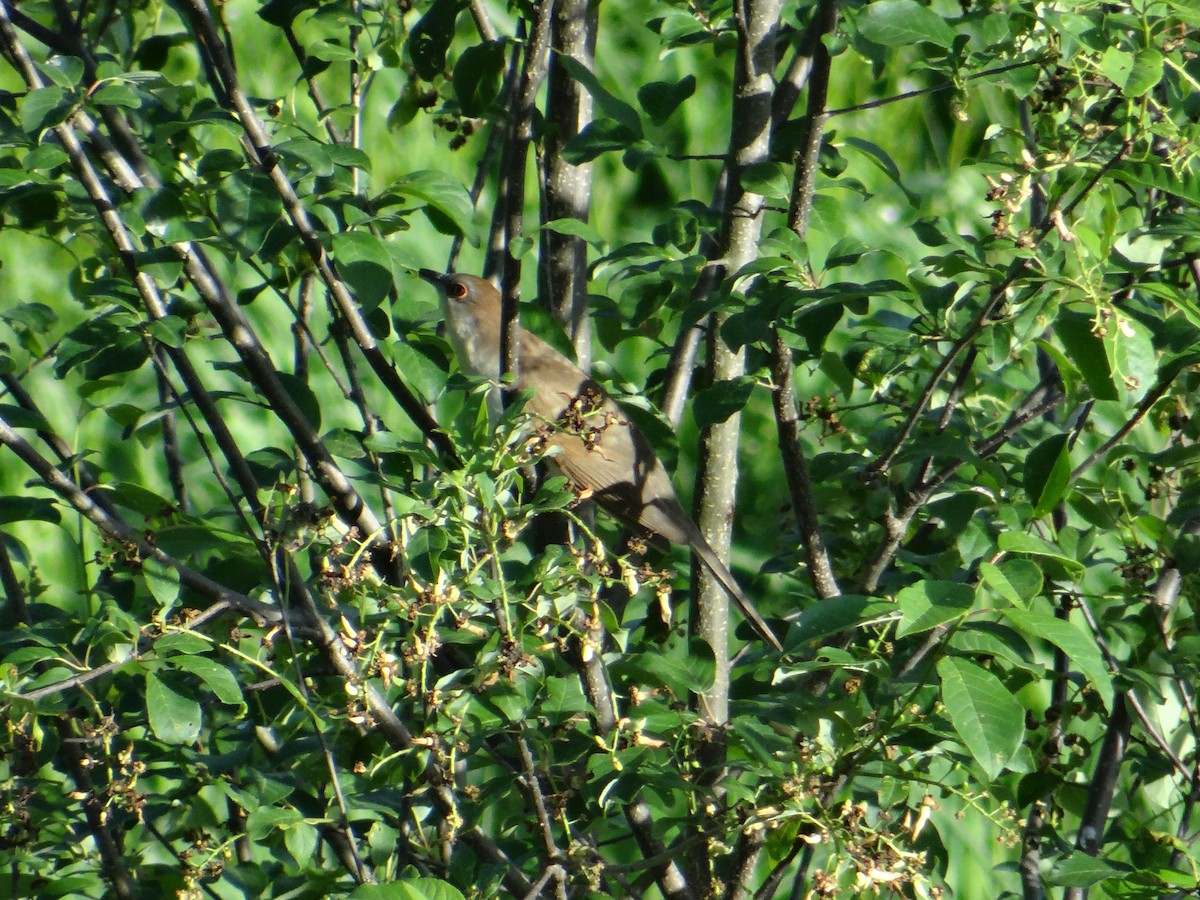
599, 449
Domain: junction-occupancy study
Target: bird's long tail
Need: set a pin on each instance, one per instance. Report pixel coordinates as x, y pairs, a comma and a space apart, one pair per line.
713, 563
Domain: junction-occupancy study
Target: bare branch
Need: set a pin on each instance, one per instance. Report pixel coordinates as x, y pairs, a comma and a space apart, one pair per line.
537, 49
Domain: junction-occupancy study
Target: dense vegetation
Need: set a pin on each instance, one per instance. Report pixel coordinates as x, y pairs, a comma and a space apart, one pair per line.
905, 294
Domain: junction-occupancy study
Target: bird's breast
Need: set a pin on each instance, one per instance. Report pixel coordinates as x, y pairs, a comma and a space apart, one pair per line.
476, 354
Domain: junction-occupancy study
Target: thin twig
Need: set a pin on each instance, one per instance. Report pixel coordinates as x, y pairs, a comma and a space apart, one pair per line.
933, 89
783, 395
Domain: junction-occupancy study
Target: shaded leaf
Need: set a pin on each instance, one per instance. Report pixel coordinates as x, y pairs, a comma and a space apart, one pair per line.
430, 38
661, 98
1086, 350
720, 401
246, 206
1082, 870
835, 614
215, 676
611, 106
366, 266
477, 77
163, 582
442, 192
174, 716
598, 136
1018, 542
1047, 474
44, 108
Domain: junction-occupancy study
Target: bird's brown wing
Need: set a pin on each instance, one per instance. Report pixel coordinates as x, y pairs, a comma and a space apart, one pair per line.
599, 447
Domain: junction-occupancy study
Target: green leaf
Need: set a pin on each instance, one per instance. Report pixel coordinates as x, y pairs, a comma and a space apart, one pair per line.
1017, 580
720, 401
65, 71
768, 179
302, 395
927, 604
575, 228
42, 158
281, 12
419, 371
994, 578
181, 642
1047, 474
163, 582
312, 153
44, 108
1145, 73
661, 98
836, 614
442, 192
899, 23
1115, 65
1080, 647
27, 509
215, 676
978, 639
266, 819
477, 77
408, 889
598, 136
330, 51
1132, 357
985, 715
301, 839
1019, 542
116, 93
1025, 576
174, 716
1155, 174
565, 697
365, 265
430, 38
220, 161
886, 164
246, 206
692, 671
611, 107
1086, 350
1081, 870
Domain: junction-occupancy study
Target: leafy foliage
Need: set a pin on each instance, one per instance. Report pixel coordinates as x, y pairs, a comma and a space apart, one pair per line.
288, 613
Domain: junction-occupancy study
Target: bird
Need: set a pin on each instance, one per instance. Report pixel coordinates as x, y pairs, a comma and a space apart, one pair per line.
599, 449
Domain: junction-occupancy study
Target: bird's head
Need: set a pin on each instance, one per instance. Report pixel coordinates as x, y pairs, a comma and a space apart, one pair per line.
472, 307
464, 293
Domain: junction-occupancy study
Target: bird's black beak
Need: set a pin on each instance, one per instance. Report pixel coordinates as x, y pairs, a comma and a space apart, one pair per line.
434, 277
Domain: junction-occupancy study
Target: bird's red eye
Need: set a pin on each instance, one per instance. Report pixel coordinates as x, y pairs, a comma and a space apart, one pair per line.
456, 291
